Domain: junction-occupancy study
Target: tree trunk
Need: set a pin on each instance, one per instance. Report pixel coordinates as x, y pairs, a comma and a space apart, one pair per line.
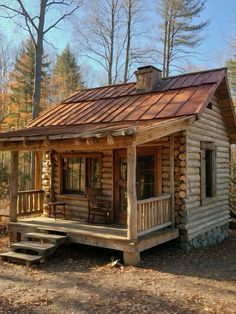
38, 60
127, 52
110, 61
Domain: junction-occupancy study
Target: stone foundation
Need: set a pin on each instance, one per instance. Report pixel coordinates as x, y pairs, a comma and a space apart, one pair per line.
216, 235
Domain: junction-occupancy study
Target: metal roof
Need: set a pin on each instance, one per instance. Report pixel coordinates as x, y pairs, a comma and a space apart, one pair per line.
181, 95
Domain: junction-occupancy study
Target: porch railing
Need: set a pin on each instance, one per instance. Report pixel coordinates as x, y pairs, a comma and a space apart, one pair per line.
30, 202
153, 214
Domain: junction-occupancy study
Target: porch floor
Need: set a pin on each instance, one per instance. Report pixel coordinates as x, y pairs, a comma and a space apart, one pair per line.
110, 236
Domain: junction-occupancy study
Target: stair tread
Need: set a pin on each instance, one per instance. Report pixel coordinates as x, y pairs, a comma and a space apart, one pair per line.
22, 256
41, 235
33, 245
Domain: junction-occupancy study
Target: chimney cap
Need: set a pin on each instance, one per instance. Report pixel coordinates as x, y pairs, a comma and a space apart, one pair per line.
148, 67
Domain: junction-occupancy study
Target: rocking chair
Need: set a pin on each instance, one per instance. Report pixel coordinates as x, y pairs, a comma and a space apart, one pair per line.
97, 206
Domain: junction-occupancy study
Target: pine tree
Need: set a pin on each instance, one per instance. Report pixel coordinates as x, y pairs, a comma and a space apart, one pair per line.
22, 87
180, 32
66, 76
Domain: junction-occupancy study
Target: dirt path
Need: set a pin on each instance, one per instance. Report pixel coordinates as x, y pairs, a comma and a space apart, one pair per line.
79, 280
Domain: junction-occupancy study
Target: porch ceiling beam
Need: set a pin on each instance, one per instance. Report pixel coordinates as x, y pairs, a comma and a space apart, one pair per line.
69, 144
162, 130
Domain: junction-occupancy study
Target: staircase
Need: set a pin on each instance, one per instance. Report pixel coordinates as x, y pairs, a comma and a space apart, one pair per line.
34, 248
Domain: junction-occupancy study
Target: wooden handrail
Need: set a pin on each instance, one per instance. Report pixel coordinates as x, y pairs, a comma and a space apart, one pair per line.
153, 214
30, 192
153, 199
30, 202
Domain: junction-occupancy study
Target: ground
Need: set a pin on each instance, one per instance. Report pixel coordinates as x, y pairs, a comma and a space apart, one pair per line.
80, 279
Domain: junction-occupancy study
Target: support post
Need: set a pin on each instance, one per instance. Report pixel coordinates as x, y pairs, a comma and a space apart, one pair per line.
38, 170
14, 186
172, 180
131, 258
52, 195
132, 232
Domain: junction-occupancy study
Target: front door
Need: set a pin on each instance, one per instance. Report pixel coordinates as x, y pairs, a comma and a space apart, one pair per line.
120, 196
148, 178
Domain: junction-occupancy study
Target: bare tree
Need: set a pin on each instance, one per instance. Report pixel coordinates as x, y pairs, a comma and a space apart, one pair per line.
49, 14
179, 33
132, 9
100, 33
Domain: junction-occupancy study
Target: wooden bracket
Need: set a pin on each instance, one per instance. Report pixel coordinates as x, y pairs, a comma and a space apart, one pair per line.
92, 140
25, 142
46, 142
77, 141
110, 139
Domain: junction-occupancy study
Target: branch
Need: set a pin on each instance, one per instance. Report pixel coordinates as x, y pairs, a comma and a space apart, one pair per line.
61, 18
26, 14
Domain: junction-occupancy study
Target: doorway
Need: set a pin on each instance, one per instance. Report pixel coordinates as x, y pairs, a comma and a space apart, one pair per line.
148, 178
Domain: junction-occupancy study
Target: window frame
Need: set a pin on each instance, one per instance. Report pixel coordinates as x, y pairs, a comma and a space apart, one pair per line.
207, 146
85, 156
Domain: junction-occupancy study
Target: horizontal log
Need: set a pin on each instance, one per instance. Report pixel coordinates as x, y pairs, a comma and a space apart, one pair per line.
194, 234
201, 222
207, 134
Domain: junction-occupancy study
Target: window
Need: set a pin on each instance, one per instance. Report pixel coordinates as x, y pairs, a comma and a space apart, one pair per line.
208, 170
80, 172
145, 177
209, 106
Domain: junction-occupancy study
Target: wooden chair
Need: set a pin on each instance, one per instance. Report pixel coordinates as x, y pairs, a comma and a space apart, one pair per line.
56, 208
97, 206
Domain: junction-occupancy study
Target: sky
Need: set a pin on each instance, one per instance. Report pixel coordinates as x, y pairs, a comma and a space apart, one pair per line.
214, 50
222, 14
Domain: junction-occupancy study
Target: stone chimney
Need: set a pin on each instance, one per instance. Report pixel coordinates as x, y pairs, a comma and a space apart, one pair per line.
147, 78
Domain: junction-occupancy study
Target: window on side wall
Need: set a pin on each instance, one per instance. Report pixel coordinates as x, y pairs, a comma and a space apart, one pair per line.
208, 171
80, 172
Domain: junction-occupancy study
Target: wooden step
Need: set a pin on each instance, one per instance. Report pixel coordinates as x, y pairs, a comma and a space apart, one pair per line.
51, 238
21, 258
43, 249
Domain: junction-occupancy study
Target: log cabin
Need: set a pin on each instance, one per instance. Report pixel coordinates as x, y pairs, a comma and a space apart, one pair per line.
158, 149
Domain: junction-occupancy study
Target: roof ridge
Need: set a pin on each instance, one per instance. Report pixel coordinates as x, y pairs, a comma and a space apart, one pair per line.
104, 86
196, 72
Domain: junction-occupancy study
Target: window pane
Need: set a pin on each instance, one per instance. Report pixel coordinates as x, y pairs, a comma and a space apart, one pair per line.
73, 175
145, 177
209, 173
93, 173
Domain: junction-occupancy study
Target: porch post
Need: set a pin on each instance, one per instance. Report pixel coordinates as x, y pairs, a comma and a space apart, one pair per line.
131, 258
131, 194
38, 171
172, 180
14, 186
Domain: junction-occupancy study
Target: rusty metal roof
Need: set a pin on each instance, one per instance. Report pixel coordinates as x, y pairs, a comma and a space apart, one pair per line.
176, 96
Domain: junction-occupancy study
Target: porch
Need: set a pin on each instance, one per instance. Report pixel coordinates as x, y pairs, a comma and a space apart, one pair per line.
154, 225
100, 235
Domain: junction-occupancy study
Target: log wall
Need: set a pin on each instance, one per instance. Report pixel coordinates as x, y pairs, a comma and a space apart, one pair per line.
206, 223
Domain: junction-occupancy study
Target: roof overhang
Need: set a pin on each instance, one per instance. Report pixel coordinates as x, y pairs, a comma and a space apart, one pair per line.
98, 137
